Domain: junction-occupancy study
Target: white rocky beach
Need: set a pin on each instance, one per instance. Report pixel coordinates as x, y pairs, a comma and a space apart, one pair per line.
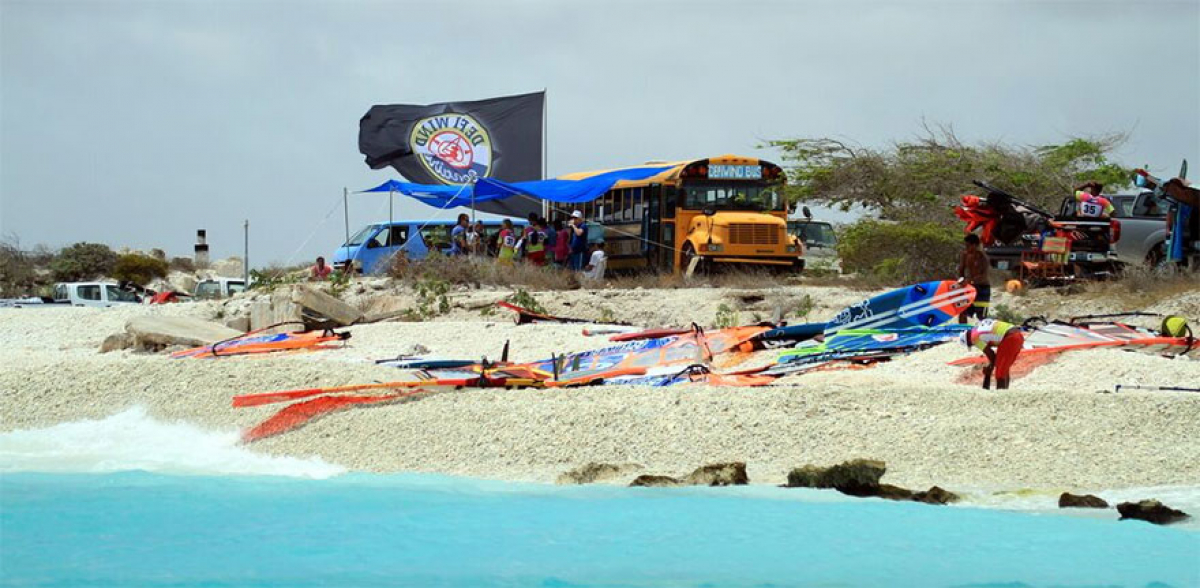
1061, 428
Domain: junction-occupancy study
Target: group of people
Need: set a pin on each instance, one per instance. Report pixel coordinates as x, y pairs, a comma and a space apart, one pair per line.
539, 243
1000, 341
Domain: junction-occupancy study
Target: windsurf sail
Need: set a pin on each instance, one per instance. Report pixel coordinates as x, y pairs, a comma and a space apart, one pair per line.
253, 343
863, 345
1057, 337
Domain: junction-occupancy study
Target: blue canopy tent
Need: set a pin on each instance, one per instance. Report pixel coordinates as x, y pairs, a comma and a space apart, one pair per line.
485, 189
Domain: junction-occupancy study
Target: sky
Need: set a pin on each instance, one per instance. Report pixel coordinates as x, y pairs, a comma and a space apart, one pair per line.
136, 123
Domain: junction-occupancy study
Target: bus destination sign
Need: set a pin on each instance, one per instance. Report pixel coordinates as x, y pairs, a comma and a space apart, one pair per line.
734, 172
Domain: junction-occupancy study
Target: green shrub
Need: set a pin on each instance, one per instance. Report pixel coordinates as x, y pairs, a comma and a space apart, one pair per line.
900, 253
139, 269
83, 261
183, 264
726, 317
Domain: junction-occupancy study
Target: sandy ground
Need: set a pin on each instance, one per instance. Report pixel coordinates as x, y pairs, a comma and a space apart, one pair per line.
1056, 429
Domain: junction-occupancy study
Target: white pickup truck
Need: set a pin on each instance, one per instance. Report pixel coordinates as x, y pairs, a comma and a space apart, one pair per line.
1143, 222
98, 294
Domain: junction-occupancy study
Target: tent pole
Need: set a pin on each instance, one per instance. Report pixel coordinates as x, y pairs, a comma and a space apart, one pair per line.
346, 212
391, 197
246, 254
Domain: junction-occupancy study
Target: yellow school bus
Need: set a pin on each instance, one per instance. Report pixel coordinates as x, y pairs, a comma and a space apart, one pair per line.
723, 210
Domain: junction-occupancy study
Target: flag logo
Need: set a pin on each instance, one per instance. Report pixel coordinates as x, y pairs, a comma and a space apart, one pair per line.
454, 147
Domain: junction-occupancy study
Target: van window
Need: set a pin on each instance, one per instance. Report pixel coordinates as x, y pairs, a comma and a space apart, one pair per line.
116, 294
89, 292
235, 287
208, 289
399, 235
437, 237
60, 292
361, 236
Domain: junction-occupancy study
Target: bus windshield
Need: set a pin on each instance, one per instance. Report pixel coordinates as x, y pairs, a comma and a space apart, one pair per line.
361, 236
732, 196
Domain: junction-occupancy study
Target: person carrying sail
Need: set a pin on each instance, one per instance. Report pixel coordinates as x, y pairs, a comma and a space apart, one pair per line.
1001, 342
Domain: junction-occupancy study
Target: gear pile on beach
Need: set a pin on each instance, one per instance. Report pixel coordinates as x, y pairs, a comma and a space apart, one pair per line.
899, 322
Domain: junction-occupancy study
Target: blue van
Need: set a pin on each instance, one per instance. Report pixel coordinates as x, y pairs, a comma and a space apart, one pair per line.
373, 247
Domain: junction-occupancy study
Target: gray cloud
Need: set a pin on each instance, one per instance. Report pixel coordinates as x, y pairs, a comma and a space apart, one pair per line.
135, 123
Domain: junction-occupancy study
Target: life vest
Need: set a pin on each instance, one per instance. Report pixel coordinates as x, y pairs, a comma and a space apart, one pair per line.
990, 332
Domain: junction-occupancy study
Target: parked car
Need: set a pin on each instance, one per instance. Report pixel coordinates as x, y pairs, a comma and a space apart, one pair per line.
373, 247
1143, 227
219, 288
819, 241
100, 294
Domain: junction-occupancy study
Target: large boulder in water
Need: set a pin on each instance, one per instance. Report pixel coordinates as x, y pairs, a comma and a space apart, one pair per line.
595, 472
156, 332
648, 480
1068, 500
1151, 511
935, 495
721, 474
857, 477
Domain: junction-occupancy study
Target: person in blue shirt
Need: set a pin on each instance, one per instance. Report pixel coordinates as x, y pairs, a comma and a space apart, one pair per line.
578, 241
458, 235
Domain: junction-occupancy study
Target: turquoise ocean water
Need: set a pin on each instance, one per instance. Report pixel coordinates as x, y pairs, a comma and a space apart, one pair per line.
179, 527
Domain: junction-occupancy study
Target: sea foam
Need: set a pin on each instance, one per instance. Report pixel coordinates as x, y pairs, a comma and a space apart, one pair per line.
132, 440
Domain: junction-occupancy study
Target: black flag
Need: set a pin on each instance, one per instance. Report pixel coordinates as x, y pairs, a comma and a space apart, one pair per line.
455, 142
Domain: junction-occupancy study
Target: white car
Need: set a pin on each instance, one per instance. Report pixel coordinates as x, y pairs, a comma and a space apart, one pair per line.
219, 288
100, 294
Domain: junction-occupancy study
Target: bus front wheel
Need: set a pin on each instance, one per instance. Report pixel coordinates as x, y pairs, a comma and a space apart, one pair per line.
691, 257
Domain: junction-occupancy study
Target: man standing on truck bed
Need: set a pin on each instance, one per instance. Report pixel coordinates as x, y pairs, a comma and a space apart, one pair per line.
973, 268
1090, 203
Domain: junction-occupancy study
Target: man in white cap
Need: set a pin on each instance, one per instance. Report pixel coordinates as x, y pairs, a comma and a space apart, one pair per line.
579, 243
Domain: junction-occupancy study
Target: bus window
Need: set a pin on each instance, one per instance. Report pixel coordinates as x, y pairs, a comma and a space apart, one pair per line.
670, 201
732, 197
636, 199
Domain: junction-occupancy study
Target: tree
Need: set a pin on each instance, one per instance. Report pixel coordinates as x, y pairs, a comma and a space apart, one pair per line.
83, 261
922, 180
138, 268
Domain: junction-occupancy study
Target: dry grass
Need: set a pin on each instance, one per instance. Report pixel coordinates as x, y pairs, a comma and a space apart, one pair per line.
1139, 286
477, 273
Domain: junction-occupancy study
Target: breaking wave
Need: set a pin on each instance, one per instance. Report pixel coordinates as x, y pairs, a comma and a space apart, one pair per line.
132, 440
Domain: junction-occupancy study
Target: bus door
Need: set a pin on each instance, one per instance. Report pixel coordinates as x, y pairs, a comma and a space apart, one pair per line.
652, 225
667, 253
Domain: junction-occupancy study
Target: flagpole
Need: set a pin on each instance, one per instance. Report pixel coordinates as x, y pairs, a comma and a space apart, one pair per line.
545, 153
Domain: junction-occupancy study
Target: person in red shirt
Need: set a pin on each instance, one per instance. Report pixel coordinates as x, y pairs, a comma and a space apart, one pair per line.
320, 271
562, 243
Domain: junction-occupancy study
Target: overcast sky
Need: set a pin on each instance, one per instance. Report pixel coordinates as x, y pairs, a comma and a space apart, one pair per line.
135, 123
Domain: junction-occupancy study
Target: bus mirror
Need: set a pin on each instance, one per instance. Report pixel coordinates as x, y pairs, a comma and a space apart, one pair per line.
709, 211
807, 213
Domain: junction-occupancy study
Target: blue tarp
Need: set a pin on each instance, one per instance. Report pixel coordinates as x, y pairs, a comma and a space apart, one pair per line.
485, 189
